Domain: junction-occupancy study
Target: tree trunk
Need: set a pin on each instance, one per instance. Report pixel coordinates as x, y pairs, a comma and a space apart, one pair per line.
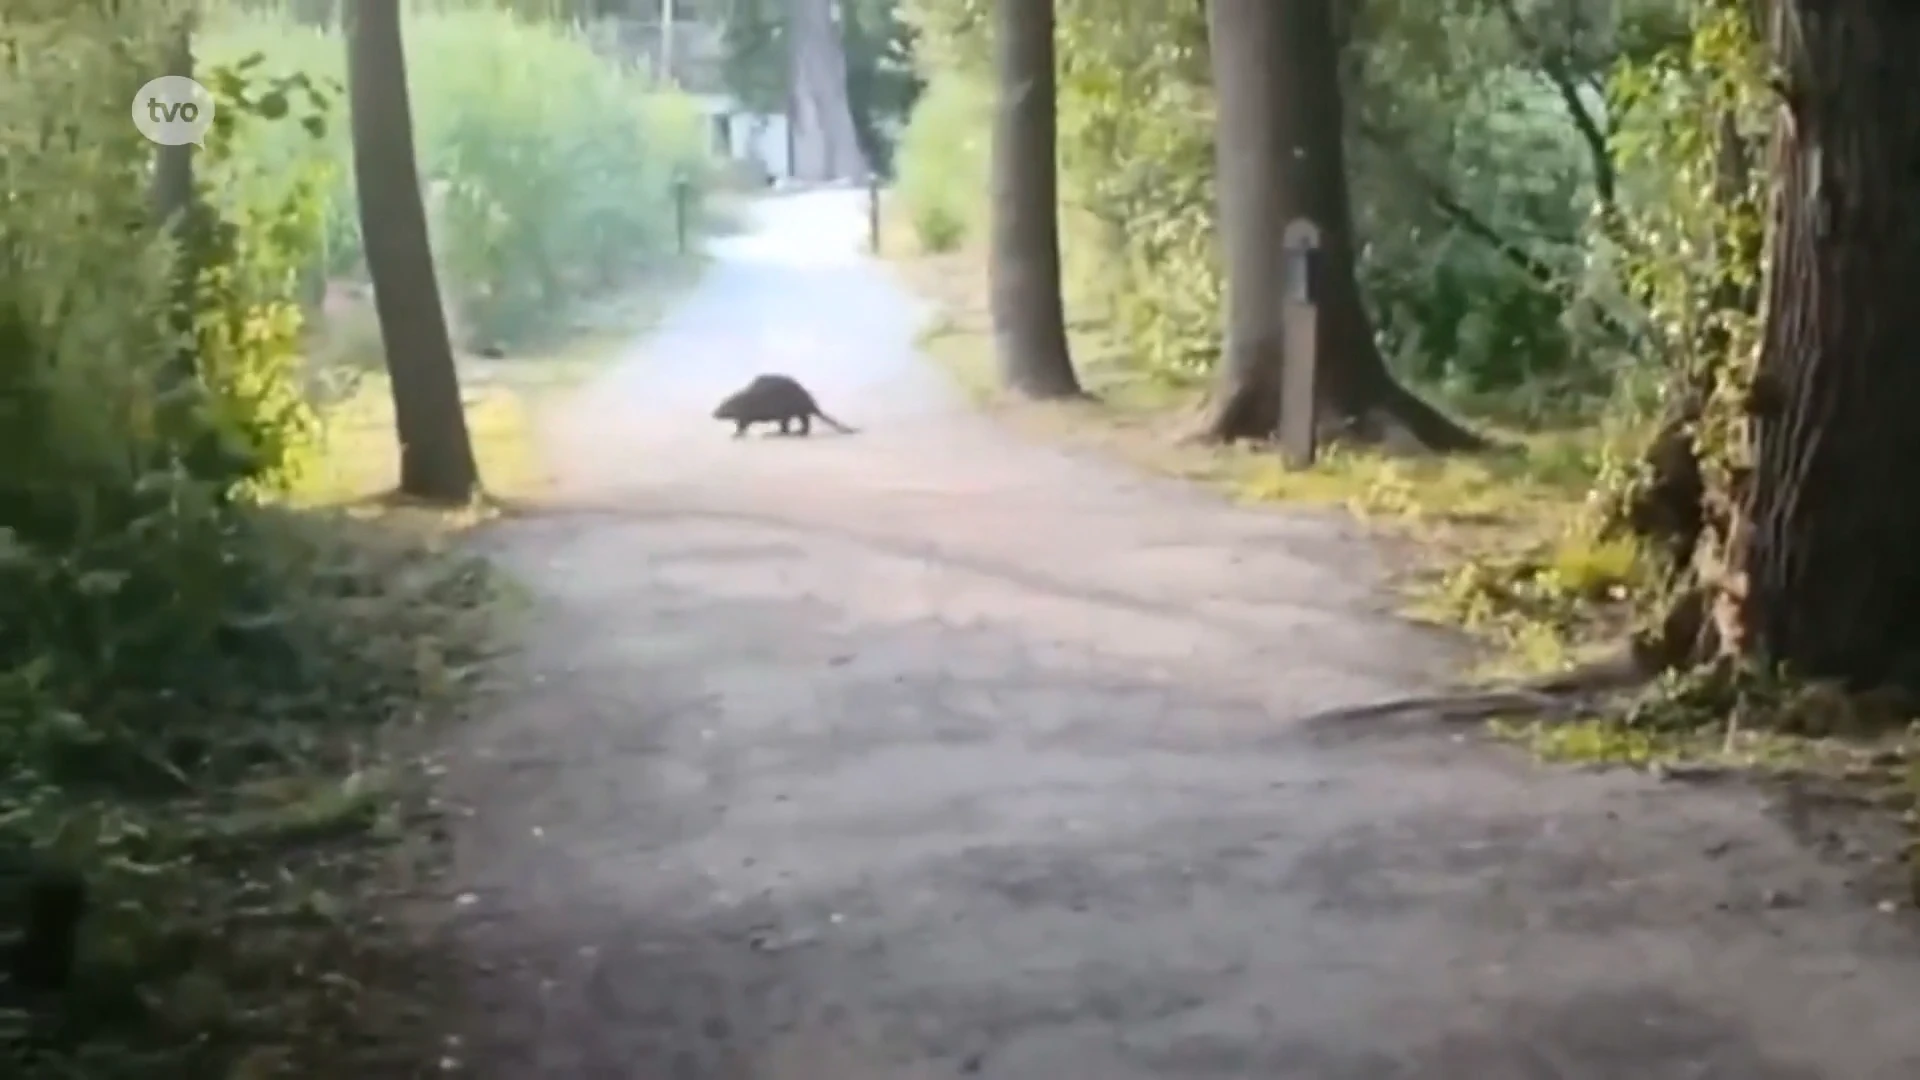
173, 207
436, 452
172, 189
1832, 584
1029, 318
826, 143
1280, 154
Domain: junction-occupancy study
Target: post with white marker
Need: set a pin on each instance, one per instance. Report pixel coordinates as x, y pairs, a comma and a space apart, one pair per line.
873, 212
1300, 344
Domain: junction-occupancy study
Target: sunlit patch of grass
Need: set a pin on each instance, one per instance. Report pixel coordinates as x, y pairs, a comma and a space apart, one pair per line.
362, 454
359, 467
1590, 742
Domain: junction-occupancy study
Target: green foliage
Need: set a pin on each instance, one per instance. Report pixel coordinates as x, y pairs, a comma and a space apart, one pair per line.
1137, 167
1471, 186
1136, 152
1472, 226
551, 173
118, 548
166, 635
252, 260
943, 162
1694, 115
1546, 213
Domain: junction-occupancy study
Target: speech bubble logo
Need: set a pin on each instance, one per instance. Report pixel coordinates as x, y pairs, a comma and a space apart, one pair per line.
173, 110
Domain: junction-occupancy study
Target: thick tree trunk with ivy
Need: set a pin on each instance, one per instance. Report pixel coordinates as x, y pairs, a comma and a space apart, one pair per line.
1029, 318
1281, 155
1683, 509
1831, 583
436, 451
826, 145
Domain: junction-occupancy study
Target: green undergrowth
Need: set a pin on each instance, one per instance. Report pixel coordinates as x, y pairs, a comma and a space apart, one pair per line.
232, 806
224, 659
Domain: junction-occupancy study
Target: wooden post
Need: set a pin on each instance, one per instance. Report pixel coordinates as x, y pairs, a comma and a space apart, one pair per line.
1300, 351
680, 192
873, 212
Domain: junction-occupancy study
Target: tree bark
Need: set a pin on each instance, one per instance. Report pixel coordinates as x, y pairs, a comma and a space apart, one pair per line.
1023, 266
1832, 583
1281, 154
172, 191
826, 142
436, 451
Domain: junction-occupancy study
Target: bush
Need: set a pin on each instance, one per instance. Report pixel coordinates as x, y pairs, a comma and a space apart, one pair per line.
550, 173
943, 162
166, 635
130, 455
1137, 163
938, 229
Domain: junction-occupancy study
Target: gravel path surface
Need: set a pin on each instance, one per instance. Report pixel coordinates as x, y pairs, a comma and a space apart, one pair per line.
927, 752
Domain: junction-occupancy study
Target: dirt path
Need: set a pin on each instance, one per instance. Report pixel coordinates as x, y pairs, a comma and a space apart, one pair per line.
926, 753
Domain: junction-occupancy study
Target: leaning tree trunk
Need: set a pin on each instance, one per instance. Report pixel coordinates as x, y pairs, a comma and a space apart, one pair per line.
825, 140
1023, 267
1832, 583
1280, 152
436, 451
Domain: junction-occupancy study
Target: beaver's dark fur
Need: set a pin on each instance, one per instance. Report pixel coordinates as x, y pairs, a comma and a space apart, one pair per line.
774, 399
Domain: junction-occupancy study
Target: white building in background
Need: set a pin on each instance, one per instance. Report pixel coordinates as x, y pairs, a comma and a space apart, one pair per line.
761, 141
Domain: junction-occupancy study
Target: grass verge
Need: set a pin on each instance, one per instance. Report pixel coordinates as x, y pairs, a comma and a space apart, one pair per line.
502, 393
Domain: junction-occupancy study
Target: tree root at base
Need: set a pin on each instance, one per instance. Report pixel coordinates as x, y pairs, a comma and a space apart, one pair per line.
1560, 698
1392, 418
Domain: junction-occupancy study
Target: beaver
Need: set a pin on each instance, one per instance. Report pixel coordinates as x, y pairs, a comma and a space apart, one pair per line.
770, 399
